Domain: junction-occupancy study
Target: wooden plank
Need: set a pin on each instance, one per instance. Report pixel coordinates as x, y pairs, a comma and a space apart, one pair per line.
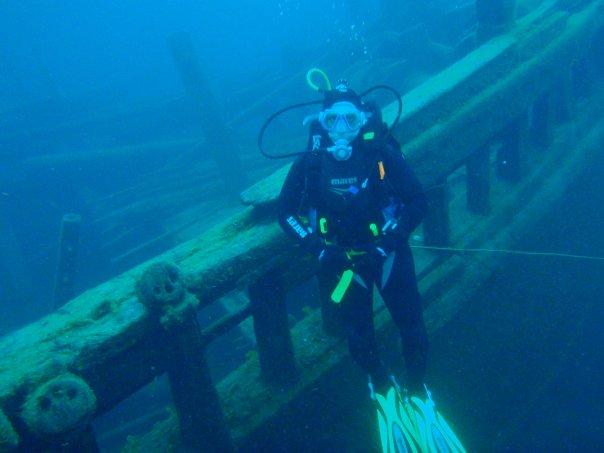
445, 291
106, 332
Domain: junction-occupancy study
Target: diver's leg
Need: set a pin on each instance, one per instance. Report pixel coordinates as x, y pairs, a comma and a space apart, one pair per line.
357, 317
330, 312
403, 300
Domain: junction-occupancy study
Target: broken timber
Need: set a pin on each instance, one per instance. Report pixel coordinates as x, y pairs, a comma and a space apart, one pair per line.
110, 341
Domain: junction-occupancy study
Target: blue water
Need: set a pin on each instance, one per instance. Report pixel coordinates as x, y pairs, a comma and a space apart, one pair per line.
82, 79
94, 116
77, 63
524, 364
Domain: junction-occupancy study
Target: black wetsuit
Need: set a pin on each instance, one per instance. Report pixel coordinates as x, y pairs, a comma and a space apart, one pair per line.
351, 195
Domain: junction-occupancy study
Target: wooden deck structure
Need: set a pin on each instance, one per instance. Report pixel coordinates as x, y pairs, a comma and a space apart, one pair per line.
459, 127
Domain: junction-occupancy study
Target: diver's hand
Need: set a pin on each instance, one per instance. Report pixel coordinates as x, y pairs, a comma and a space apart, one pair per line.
394, 239
333, 257
376, 255
314, 245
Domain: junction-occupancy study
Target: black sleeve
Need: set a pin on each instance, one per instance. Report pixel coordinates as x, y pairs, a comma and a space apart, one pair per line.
291, 200
406, 187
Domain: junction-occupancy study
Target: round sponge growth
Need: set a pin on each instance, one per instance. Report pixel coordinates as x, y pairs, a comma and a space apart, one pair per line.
161, 286
62, 405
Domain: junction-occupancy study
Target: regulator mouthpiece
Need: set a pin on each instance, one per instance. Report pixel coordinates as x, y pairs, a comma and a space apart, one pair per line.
341, 150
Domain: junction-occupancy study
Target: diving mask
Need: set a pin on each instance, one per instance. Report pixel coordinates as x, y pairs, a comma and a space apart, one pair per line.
343, 117
342, 121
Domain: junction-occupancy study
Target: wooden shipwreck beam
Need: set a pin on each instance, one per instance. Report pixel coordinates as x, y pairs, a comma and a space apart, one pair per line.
106, 344
447, 285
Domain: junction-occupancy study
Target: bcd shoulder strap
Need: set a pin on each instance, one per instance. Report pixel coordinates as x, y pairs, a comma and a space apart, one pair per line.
312, 177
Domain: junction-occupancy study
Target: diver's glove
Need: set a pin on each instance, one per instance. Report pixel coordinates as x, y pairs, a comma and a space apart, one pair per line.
395, 234
333, 257
394, 240
314, 245
376, 255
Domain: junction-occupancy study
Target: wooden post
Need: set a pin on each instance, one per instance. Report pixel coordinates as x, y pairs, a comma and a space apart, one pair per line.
219, 144
436, 223
331, 314
58, 415
202, 423
275, 351
162, 290
88, 442
478, 172
510, 157
82, 442
69, 247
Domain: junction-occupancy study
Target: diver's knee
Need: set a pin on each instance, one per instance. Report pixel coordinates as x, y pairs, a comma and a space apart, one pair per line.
363, 353
416, 338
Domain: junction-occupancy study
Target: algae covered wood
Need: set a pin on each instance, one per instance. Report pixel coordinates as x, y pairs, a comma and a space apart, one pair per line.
248, 404
109, 338
224, 258
220, 145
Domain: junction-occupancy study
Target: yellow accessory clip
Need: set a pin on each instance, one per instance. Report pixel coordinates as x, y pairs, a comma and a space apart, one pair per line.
338, 293
312, 84
351, 254
323, 225
374, 229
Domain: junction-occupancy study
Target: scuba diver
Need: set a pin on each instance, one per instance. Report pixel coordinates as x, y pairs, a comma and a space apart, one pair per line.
351, 201
353, 207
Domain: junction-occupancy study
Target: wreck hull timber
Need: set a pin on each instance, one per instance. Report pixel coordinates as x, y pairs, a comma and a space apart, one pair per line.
110, 339
446, 291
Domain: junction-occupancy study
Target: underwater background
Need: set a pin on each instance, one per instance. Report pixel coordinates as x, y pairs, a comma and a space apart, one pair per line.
95, 120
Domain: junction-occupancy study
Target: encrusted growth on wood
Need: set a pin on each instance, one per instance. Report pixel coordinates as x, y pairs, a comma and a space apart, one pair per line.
112, 330
63, 405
